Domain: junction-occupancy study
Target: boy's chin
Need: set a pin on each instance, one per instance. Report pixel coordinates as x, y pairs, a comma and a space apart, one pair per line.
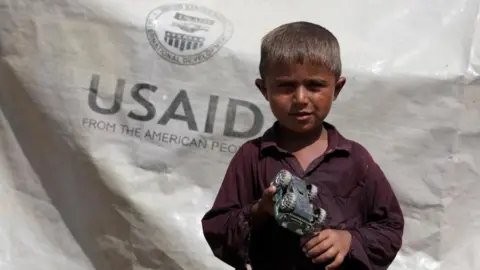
303, 128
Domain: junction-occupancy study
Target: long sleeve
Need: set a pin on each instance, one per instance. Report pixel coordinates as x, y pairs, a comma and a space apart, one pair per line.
375, 245
226, 225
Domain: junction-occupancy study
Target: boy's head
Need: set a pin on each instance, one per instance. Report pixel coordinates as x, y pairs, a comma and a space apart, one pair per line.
300, 69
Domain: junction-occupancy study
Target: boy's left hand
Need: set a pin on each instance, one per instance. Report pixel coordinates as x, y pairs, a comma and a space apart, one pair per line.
328, 245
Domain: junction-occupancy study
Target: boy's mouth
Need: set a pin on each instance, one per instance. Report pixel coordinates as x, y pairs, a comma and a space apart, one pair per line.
301, 115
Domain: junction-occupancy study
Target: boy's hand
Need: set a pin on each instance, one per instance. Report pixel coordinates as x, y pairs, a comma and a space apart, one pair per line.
265, 205
328, 245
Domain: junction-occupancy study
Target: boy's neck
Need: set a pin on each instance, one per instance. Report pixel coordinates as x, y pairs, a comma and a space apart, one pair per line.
294, 142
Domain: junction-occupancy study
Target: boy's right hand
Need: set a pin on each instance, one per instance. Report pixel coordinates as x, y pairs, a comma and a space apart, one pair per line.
265, 206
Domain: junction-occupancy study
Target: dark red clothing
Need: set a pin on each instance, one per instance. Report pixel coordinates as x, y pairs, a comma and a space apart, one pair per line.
351, 188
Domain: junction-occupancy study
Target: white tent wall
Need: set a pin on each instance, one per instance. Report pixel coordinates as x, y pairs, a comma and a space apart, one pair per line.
90, 179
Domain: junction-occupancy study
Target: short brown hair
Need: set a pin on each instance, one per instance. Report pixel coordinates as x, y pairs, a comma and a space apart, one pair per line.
299, 41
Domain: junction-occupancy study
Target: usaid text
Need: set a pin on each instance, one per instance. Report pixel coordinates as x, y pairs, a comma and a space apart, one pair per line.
173, 112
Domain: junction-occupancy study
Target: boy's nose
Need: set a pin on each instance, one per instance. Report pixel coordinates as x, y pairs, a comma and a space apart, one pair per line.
301, 94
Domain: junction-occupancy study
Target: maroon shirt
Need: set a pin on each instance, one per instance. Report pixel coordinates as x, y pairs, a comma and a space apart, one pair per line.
351, 188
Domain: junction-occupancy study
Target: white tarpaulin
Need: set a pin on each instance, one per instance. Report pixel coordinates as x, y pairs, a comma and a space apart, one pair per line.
118, 119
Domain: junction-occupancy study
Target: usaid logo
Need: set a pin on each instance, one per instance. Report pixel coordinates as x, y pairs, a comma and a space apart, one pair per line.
187, 34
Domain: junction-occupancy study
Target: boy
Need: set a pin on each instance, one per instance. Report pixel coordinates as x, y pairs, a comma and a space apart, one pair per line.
300, 70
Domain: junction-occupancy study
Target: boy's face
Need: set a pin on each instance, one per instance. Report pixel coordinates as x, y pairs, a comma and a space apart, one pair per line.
300, 95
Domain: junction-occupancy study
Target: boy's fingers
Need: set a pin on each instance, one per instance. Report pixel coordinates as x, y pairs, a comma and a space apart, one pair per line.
317, 239
269, 192
319, 249
328, 255
336, 263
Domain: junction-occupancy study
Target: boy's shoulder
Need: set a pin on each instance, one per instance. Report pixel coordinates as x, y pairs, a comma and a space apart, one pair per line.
357, 151
252, 148
337, 141
361, 157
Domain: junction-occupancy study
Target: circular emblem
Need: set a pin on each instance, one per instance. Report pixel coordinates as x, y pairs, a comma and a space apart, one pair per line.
187, 34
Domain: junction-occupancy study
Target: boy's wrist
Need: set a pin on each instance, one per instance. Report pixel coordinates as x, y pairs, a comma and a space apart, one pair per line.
257, 209
259, 214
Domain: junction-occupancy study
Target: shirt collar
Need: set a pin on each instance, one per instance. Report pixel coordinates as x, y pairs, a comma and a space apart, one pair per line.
336, 142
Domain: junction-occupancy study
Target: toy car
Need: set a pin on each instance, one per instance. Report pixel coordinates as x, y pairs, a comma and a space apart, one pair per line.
294, 209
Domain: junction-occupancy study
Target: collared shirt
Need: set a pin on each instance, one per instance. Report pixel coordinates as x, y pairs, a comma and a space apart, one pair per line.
351, 188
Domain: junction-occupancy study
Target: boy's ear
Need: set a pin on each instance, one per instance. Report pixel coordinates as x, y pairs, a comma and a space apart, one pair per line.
261, 86
339, 86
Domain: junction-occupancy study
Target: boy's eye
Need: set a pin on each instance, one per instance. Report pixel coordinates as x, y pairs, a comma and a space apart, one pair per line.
316, 84
311, 85
286, 84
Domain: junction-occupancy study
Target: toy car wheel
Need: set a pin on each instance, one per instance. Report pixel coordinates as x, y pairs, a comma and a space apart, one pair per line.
312, 194
283, 178
322, 216
288, 202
